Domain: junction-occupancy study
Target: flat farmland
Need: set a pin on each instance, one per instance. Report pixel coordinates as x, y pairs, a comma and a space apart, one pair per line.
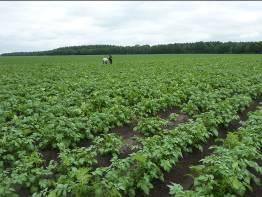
71, 126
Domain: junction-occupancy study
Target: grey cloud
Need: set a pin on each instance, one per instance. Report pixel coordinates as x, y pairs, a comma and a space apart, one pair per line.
28, 26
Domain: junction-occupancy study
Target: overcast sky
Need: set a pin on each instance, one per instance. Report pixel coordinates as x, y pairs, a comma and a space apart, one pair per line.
30, 26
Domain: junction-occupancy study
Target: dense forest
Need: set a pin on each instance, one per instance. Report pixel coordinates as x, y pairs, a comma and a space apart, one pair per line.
176, 48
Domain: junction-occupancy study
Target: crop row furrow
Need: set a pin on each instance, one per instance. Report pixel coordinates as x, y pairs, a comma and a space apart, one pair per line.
179, 173
160, 153
232, 167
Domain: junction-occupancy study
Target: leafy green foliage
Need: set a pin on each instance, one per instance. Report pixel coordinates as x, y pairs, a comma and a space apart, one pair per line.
173, 116
52, 103
150, 126
226, 171
108, 144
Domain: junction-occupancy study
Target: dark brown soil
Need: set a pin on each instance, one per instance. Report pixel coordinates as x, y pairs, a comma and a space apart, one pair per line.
257, 189
22, 191
129, 135
49, 154
129, 138
103, 161
127, 147
165, 113
178, 173
84, 143
125, 131
181, 118
243, 116
252, 107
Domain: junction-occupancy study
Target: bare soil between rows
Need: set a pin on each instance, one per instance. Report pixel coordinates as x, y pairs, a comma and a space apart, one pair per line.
22, 191
129, 138
49, 154
103, 161
179, 173
129, 135
256, 189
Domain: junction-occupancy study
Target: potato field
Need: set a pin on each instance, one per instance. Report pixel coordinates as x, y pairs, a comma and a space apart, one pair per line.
147, 125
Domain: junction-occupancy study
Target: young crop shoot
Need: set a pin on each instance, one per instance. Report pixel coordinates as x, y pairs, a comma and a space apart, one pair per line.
150, 126
173, 117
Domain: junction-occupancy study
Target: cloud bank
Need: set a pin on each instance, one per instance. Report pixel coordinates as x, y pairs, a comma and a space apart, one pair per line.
34, 26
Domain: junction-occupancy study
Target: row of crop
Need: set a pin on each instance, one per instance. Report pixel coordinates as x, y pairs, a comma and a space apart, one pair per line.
22, 135
159, 153
15, 175
60, 123
70, 160
88, 116
32, 171
231, 168
31, 133
24, 165
87, 155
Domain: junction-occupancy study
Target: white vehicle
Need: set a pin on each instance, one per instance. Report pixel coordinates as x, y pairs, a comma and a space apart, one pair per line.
105, 60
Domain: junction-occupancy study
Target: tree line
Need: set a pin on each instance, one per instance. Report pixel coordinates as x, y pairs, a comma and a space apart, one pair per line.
176, 48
